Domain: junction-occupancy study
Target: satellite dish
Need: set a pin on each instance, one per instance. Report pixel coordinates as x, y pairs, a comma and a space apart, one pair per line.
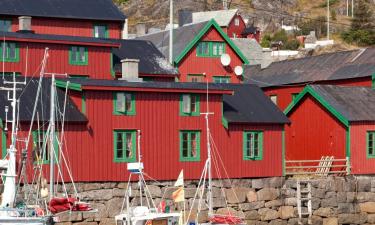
225, 59
238, 70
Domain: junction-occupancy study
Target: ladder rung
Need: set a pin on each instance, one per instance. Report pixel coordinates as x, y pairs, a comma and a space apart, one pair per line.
305, 199
305, 191
305, 213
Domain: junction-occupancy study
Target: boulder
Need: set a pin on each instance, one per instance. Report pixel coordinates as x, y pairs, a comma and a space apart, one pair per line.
364, 184
323, 212
268, 214
278, 222
330, 221
368, 207
252, 215
316, 220
231, 211
86, 223
290, 201
156, 191
107, 221
365, 197
273, 203
69, 216
113, 206
345, 208
251, 205
268, 194
236, 195
102, 195
258, 183
286, 212
252, 196
276, 182
347, 218
371, 218
341, 197
101, 213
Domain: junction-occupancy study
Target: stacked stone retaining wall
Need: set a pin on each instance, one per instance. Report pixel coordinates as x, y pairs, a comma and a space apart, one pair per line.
335, 200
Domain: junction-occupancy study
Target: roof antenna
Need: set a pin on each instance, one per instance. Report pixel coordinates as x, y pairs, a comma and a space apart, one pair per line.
171, 32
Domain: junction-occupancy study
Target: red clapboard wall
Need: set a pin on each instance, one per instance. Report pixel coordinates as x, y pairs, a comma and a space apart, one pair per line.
234, 30
71, 27
191, 64
99, 61
90, 147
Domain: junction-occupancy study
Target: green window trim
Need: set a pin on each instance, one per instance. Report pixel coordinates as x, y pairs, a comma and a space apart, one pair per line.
196, 112
373, 80
189, 146
4, 57
83, 106
10, 74
370, 144
36, 135
106, 33
113, 73
73, 61
125, 112
259, 145
294, 96
123, 134
221, 79
6, 23
212, 48
3, 143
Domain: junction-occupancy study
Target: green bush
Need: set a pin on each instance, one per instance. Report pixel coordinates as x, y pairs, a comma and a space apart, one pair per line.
359, 37
280, 36
266, 41
317, 24
291, 45
331, 2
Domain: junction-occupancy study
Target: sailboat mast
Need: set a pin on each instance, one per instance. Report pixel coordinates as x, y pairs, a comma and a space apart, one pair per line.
52, 136
209, 162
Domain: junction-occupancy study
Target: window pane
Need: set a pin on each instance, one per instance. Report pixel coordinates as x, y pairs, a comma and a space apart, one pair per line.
11, 50
193, 138
186, 101
74, 54
256, 144
119, 147
221, 48
100, 31
214, 49
82, 57
129, 145
185, 145
120, 102
371, 143
128, 102
193, 103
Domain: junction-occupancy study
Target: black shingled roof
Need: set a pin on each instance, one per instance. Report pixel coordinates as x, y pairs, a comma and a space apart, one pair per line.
249, 30
52, 37
250, 105
74, 9
27, 102
354, 103
151, 60
331, 66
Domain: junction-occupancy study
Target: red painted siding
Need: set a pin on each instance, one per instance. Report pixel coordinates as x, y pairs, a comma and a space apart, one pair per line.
314, 133
192, 64
90, 147
284, 93
69, 27
233, 30
99, 61
358, 151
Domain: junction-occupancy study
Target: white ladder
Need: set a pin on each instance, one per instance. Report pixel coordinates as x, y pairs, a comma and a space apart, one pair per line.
304, 195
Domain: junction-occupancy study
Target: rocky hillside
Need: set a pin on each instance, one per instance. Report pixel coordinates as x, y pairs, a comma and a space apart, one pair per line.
266, 14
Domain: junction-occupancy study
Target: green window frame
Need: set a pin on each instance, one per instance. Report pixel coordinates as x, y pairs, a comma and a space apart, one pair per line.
210, 49
124, 145
6, 25
78, 55
221, 79
370, 144
189, 105
4, 143
10, 74
253, 145
11, 53
100, 31
40, 140
124, 103
189, 146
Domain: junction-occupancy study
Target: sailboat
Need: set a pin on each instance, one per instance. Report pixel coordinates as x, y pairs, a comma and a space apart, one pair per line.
207, 173
148, 214
44, 211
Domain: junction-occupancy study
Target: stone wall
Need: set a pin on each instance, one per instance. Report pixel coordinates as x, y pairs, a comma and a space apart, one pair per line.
335, 200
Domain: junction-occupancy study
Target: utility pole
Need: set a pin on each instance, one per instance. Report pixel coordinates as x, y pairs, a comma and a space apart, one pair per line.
352, 8
225, 4
327, 19
171, 31
347, 7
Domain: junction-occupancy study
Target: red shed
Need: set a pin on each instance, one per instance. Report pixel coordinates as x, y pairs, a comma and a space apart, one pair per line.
65, 17
197, 49
337, 121
283, 80
173, 138
230, 20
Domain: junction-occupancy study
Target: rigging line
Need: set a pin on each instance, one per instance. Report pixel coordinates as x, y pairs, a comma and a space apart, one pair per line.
148, 191
126, 193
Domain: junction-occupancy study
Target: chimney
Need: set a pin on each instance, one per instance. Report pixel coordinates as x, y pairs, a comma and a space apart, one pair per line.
125, 33
141, 29
24, 23
130, 70
185, 16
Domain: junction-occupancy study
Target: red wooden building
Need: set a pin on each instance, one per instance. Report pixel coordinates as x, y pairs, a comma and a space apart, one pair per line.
283, 80
196, 52
64, 17
230, 20
328, 120
248, 138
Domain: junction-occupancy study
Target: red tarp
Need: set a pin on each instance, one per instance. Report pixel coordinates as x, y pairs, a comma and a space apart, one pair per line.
57, 205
